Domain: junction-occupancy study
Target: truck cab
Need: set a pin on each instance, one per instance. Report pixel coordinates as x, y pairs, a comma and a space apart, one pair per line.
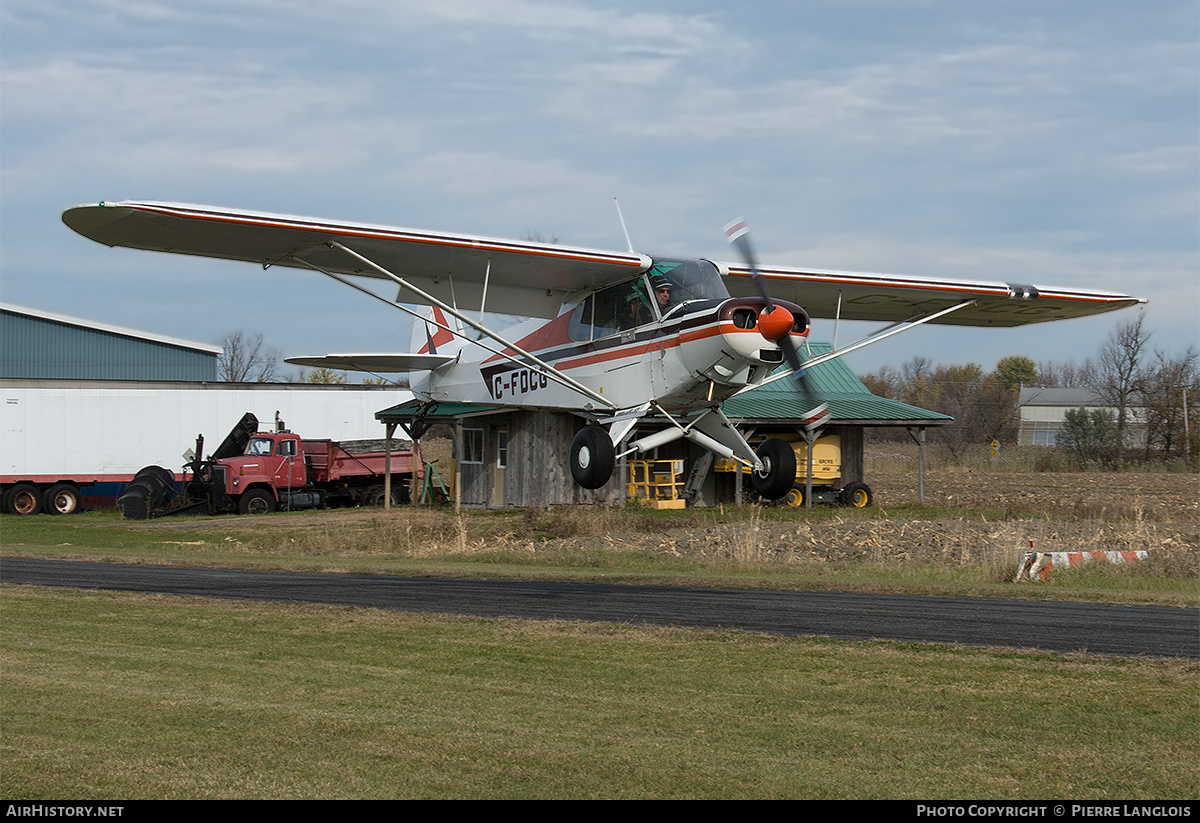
270, 467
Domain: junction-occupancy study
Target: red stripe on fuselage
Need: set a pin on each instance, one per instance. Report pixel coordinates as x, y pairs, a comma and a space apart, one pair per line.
667, 341
552, 335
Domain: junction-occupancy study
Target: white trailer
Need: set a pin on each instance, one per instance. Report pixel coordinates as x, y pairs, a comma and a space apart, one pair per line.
66, 443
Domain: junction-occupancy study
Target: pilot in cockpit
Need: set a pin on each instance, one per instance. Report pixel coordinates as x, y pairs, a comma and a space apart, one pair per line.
662, 293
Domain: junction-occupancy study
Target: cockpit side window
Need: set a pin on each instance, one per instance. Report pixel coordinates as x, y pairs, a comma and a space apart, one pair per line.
615, 309
645, 298
580, 326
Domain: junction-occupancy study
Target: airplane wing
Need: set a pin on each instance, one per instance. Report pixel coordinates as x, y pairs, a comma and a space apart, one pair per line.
890, 297
375, 363
524, 278
531, 279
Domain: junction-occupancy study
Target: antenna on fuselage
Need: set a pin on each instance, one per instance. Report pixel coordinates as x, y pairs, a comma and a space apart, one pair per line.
625, 229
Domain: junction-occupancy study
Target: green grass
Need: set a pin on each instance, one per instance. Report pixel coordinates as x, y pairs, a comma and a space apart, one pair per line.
108, 695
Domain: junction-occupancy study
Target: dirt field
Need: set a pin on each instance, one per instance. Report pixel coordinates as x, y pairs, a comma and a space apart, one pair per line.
1081, 512
1161, 498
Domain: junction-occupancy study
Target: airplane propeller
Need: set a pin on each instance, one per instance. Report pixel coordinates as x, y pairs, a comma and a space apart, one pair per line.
775, 322
771, 322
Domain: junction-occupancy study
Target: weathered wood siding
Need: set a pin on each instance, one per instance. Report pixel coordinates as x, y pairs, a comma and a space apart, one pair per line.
852, 452
538, 471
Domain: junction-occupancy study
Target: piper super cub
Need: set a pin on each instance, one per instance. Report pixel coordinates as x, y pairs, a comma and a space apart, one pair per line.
618, 336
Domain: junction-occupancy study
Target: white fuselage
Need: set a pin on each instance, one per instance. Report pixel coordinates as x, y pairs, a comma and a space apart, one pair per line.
696, 356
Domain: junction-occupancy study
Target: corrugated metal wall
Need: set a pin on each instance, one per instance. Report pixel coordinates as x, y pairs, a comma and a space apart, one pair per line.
33, 347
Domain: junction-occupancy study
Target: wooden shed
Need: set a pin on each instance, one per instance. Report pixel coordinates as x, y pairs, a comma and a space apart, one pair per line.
508, 457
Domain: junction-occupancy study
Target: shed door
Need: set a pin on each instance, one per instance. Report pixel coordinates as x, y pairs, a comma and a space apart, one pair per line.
500, 466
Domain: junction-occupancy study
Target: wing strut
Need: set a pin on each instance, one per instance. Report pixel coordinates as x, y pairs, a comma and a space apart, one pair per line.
550, 371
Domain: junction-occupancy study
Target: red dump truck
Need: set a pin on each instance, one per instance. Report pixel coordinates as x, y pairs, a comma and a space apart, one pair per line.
255, 472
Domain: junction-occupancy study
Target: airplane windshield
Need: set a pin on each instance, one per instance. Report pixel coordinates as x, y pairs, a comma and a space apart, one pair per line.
689, 280
668, 285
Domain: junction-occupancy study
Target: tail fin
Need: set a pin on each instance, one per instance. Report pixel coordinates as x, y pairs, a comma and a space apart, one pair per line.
429, 335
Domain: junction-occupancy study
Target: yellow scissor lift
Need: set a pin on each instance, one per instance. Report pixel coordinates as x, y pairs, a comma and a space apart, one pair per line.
826, 473
657, 483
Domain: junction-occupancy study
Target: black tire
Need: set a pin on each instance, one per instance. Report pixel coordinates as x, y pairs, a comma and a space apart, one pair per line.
857, 496
779, 469
592, 457
62, 498
23, 498
795, 497
149, 493
375, 495
256, 501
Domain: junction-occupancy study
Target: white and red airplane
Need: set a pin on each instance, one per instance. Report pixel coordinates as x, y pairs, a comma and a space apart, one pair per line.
618, 336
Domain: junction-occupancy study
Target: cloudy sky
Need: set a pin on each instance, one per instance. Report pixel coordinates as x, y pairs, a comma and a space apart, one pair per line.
1049, 142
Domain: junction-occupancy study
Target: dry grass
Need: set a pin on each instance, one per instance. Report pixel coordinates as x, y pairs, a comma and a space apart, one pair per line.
975, 527
823, 543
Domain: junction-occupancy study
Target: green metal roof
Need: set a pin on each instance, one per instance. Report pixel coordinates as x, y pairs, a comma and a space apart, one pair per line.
833, 383
406, 411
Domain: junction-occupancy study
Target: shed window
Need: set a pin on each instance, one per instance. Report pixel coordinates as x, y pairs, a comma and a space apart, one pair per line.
472, 445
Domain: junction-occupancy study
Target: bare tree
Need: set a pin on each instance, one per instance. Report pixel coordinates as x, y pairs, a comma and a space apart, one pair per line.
1052, 375
917, 375
245, 360
983, 406
884, 383
1166, 385
1117, 372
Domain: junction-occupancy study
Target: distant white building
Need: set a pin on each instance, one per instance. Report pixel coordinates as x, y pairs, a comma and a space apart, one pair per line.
1044, 410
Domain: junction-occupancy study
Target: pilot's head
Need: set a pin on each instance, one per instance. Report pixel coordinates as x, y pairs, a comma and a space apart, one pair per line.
662, 291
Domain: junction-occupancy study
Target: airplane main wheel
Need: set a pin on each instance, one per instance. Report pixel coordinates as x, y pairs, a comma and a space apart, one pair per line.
779, 469
592, 457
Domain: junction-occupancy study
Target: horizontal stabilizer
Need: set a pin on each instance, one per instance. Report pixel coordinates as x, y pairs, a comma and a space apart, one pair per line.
375, 363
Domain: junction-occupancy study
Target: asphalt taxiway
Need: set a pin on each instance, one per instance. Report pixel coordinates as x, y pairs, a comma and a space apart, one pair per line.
1094, 628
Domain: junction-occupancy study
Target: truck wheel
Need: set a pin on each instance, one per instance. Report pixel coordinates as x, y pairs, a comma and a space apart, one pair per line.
256, 501
795, 498
62, 498
779, 469
592, 457
23, 498
375, 496
857, 495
